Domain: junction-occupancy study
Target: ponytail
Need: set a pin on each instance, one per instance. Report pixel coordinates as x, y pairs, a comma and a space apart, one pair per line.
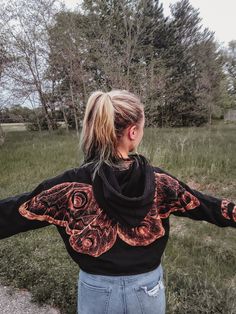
106, 116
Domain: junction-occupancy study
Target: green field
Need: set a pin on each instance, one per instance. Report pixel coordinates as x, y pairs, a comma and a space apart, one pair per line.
200, 259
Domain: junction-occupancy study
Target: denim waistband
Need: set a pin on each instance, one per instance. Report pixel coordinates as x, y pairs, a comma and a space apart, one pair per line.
127, 278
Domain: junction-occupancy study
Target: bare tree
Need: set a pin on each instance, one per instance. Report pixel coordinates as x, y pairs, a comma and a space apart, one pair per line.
67, 59
4, 62
26, 26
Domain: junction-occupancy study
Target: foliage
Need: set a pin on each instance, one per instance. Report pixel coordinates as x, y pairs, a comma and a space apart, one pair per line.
59, 56
39, 123
14, 114
230, 56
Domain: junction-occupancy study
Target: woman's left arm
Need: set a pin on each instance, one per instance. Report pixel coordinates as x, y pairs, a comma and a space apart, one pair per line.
220, 212
178, 198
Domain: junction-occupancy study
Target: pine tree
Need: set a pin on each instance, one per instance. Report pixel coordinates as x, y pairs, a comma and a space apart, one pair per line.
181, 107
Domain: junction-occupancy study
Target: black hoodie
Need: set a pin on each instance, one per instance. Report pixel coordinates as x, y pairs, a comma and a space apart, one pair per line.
126, 195
117, 224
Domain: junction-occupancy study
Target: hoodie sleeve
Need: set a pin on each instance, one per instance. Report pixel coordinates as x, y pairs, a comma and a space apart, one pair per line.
178, 198
12, 222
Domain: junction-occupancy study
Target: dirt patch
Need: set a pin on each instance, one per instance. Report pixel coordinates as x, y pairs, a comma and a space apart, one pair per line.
18, 301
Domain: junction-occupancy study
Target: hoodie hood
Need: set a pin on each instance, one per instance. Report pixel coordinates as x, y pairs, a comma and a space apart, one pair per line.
126, 195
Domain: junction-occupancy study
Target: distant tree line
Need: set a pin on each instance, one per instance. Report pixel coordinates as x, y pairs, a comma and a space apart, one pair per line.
53, 58
34, 119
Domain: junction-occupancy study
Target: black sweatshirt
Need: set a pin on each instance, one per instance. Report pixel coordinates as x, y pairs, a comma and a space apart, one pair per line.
118, 223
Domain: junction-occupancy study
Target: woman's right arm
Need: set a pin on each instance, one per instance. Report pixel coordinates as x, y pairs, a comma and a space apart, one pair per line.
12, 222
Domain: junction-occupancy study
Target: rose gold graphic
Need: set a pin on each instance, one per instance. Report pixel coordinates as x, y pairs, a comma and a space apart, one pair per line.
172, 196
72, 205
225, 209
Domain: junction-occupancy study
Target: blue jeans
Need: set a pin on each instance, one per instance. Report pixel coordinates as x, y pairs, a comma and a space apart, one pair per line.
133, 294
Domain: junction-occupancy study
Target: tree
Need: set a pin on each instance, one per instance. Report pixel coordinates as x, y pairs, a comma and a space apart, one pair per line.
60, 56
4, 62
230, 57
211, 89
68, 56
180, 101
25, 26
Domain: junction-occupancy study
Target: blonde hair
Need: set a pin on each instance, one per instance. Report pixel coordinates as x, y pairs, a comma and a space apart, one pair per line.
106, 117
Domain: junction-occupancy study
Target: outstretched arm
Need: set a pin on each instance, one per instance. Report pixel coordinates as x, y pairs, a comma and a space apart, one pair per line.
178, 198
12, 222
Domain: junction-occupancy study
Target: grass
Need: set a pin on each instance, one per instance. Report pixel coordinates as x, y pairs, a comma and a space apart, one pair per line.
200, 266
200, 259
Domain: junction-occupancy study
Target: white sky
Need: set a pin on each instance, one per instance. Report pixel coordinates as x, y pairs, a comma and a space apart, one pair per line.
218, 16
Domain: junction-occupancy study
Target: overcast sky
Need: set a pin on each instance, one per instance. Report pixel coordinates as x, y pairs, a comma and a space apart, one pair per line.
218, 16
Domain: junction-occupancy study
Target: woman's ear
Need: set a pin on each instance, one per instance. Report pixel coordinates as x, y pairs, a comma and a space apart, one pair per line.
132, 132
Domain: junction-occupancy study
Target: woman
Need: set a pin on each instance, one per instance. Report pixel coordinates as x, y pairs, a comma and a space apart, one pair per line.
113, 211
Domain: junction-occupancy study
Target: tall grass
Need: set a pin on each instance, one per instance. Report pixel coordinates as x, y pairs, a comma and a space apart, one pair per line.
200, 259
205, 155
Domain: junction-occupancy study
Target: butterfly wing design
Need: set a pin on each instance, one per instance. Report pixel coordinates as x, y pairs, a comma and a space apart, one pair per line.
73, 206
